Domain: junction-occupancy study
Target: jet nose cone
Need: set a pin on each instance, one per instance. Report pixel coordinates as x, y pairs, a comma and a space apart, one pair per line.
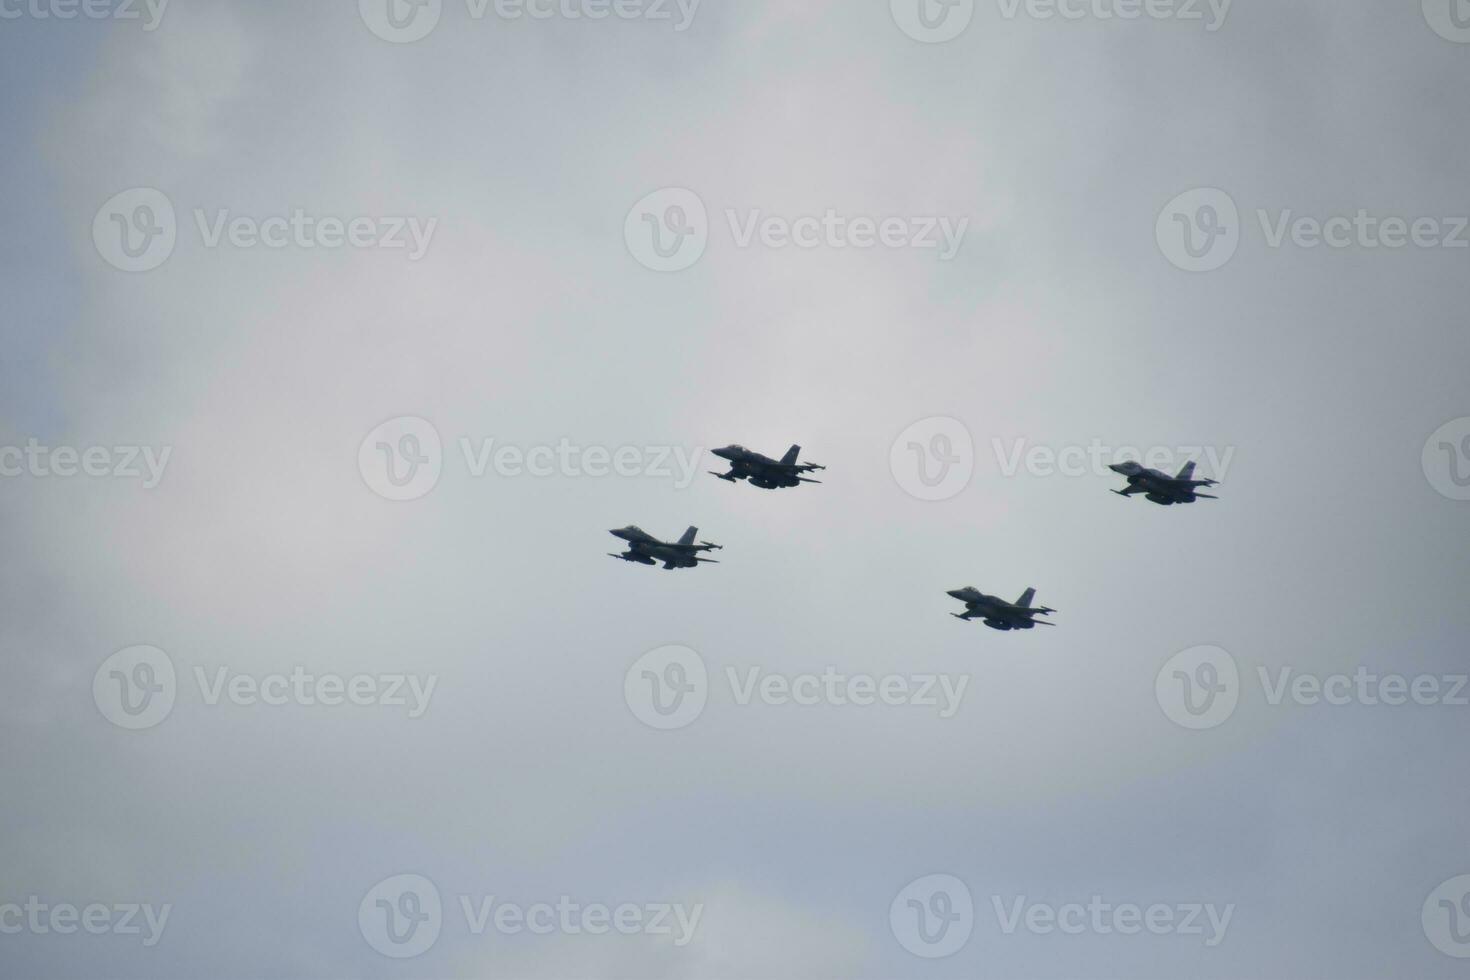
956, 593
724, 452
1118, 467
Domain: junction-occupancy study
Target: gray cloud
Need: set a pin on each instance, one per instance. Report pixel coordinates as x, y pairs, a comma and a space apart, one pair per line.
528, 321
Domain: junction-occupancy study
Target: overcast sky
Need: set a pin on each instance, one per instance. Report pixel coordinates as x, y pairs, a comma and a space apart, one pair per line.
1060, 317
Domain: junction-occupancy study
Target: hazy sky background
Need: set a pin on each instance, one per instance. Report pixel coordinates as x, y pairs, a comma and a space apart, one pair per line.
528, 321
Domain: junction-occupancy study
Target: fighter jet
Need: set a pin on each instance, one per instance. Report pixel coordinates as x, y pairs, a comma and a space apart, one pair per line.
999, 614
1162, 488
645, 549
763, 471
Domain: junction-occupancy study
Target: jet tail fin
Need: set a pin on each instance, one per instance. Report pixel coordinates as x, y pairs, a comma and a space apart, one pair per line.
688, 537
1026, 597
1187, 473
791, 455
